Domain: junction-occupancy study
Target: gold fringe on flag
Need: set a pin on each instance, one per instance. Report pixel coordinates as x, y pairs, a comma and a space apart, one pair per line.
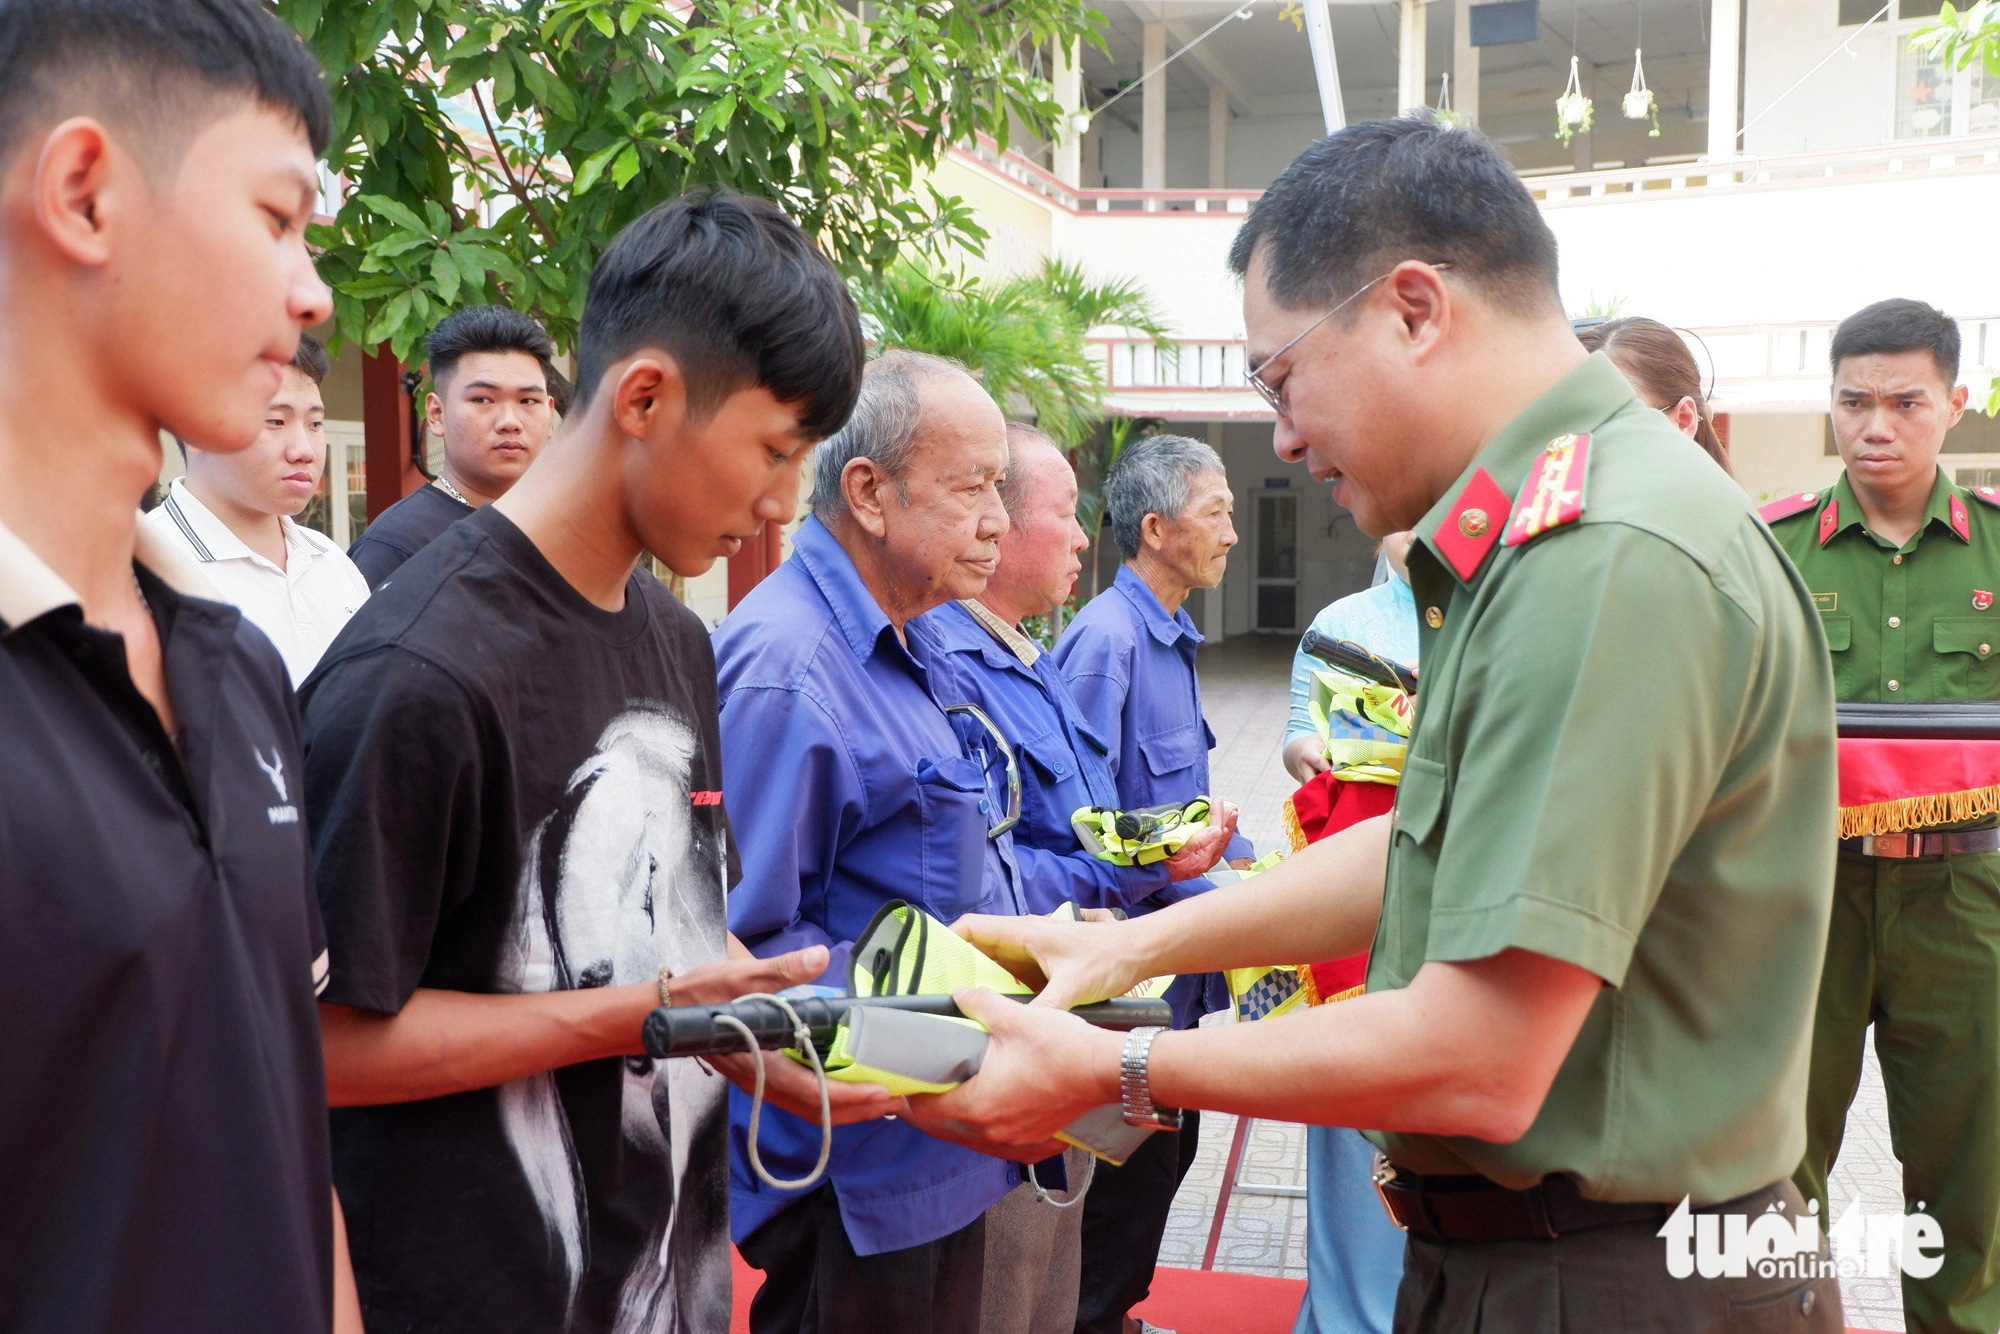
1894, 817
1293, 830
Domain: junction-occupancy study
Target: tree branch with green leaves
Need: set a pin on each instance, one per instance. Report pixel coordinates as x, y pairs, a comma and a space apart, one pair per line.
494, 149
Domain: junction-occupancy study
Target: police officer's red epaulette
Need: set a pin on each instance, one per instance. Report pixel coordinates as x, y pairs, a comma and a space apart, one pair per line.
1790, 505
1553, 494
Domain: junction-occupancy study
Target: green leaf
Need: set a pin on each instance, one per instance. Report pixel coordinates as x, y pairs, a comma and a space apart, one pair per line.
398, 243
593, 167
445, 274
626, 166
396, 212
391, 320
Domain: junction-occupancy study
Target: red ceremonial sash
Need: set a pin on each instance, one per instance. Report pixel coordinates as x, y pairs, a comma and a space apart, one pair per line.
1888, 784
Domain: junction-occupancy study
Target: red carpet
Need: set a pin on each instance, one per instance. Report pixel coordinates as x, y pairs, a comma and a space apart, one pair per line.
1189, 1301
1186, 1301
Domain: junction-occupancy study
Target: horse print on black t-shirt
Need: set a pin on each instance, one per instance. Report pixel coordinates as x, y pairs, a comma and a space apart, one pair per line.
620, 880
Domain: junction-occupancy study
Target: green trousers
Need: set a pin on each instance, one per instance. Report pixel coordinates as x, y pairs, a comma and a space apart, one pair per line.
1915, 949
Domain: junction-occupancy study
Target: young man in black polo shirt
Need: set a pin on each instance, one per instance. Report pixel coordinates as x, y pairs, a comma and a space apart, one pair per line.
491, 371
514, 786
163, 1146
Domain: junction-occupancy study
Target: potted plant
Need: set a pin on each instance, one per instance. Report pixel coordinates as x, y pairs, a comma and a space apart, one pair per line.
1575, 113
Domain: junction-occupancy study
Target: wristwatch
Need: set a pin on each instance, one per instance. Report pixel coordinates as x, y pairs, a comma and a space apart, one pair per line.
1135, 1090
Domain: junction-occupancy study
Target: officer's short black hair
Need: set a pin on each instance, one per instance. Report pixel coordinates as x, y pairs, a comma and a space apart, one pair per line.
739, 297
311, 360
157, 68
1898, 325
1378, 192
485, 329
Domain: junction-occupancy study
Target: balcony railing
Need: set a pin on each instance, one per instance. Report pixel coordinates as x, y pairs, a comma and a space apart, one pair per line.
1752, 365
1018, 169
1885, 162
1207, 363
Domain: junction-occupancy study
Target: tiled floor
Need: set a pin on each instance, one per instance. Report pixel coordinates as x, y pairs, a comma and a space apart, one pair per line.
1243, 685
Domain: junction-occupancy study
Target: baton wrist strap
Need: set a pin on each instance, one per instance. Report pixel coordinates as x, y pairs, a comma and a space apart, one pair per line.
803, 1036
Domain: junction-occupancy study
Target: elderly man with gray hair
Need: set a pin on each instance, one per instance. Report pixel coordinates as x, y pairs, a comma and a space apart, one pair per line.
847, 787
1129, 660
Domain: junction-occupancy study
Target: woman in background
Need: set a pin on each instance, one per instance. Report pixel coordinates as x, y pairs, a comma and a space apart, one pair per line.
1663, 374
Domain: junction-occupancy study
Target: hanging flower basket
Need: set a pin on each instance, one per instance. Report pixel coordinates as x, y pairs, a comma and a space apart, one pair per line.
1575, 113
1442, 112
1640, 103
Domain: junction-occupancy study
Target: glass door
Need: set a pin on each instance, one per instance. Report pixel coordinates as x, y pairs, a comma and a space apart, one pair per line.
1275, 539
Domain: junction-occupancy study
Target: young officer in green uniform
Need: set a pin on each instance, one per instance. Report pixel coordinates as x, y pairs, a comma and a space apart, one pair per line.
1598, 911
1902, 565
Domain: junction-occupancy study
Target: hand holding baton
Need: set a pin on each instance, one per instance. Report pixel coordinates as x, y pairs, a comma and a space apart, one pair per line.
694, 1030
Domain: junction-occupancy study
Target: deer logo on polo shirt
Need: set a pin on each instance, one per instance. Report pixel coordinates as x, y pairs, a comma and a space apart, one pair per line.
274, 769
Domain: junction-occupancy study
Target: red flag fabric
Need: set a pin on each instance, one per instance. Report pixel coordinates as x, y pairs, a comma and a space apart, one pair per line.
1888, 785
1324, 805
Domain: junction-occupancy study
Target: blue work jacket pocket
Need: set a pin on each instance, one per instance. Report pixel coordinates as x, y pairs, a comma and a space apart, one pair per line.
1177, 749
953, 803
1052, 757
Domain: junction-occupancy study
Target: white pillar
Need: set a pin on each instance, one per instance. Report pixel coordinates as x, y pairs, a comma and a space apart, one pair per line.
1725, 69
1319, 36
1464, 64
1153, 112
1411, 31
1218, 138
1067, 76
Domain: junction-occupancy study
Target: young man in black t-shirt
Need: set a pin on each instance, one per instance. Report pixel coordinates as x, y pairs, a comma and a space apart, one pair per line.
491, 371
163, 1145
514, 788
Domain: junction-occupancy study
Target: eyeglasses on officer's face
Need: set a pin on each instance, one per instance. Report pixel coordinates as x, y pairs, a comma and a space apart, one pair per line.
1275, 394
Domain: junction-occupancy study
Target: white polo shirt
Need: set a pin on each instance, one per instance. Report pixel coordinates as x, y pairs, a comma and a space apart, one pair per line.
300, 608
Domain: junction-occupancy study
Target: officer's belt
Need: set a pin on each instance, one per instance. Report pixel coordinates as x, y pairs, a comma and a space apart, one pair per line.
1925, 843
1473, 1208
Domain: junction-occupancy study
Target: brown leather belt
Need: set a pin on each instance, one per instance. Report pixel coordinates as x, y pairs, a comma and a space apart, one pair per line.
1473, 1208
1925, 843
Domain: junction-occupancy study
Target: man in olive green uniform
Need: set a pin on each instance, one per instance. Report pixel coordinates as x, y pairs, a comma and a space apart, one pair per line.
1902, 565
1598, 911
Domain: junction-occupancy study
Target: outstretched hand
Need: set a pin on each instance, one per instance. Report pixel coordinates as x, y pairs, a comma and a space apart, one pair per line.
787, 1084
1042, 1070
1204, 849
743, 975
1068, 963
795, 1088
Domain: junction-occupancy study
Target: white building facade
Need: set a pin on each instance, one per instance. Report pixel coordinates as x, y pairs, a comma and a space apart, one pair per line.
1808, 162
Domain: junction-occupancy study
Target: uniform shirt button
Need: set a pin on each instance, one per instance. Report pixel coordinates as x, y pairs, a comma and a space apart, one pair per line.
1895, 621
1895, 685
1061, 769
1985, 649
1433, 617
1806, 1301
1896, 559
985, 806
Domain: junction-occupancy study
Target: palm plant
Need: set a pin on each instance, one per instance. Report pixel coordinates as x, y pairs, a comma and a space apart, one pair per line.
1027, 338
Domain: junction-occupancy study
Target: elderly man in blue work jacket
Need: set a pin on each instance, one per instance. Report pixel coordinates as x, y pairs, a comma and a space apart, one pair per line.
847, 787
1032, 1251
1129, 660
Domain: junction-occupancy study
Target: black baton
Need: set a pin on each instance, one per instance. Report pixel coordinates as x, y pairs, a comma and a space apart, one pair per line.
1350, 657
695, 1030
